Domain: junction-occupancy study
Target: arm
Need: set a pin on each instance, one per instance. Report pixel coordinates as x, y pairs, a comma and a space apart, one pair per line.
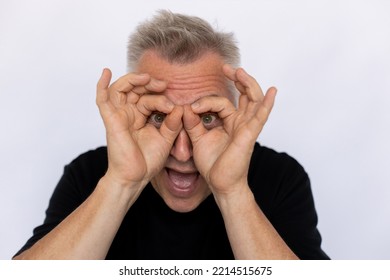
87, 232
94, 222
225, 165
250, 233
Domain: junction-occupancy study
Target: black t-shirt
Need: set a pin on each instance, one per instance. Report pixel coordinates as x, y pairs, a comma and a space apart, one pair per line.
151, 230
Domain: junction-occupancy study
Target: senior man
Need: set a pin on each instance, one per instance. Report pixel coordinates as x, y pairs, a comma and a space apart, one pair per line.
182, 176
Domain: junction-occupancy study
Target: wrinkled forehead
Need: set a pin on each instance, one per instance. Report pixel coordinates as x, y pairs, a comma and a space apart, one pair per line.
187, 89
187, 83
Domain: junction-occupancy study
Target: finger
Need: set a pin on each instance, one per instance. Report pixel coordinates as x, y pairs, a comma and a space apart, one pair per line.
240, 87
149, 103
138, 83
216, 104
258, 111
118, 91
269, 99
243, 103
102, 94
102, 86
190, 119
153, 85
230, 73
127, 82
172, 124
263, 111
192, 124
252, 88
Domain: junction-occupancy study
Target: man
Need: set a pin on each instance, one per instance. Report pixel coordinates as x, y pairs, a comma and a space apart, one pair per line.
182, 176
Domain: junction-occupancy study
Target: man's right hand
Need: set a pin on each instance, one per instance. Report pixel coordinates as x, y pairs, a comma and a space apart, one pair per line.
141, 129
141, 126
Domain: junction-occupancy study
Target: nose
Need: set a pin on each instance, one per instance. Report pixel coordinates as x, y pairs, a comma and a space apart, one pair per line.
182, 148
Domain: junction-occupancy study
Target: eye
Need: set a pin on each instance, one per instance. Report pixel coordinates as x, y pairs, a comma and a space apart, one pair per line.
156, 119
210, 120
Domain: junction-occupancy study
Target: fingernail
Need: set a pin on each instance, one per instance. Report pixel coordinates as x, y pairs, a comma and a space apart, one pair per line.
104, 70
143, 75
158, 82
170, 105
243, 70
195, 105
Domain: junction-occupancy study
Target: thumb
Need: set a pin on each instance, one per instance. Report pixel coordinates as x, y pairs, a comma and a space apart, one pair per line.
193, 125
172, 124
102, 86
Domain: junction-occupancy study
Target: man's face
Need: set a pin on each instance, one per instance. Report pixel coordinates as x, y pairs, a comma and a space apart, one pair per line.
179, 182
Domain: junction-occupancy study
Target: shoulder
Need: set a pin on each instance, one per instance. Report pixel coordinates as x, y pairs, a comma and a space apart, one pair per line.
91, 161
95, 157
274, 177
269, 162
272, 156
85, 170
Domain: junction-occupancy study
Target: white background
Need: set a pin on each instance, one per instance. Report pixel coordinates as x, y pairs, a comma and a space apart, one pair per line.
329, 59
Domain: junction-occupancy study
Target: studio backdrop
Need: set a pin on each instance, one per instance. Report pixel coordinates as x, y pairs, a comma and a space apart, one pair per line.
330, 61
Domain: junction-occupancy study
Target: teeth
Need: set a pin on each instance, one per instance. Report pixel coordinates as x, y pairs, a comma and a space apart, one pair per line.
182, 180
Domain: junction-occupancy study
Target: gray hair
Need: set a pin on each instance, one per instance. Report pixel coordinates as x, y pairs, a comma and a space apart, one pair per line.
181, 39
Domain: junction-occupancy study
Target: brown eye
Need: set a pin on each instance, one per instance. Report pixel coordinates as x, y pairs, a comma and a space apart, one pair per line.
210, 120
156, 119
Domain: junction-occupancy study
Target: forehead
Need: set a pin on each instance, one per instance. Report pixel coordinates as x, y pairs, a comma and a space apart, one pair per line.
187, 82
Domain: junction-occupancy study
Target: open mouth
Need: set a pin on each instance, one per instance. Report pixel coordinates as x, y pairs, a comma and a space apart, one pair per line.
182, 181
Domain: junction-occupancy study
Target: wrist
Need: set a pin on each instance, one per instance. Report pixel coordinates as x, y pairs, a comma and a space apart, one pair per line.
121, 191
237, 199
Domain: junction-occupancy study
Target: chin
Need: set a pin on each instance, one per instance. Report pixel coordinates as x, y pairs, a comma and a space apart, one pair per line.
183, 206
180, 200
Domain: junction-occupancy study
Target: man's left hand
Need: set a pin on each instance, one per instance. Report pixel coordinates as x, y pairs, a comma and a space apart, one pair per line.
223, 136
